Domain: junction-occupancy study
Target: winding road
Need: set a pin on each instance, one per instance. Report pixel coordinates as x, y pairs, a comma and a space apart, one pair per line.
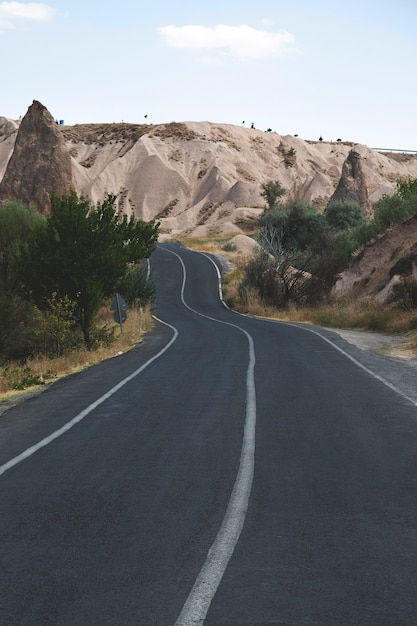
229, 471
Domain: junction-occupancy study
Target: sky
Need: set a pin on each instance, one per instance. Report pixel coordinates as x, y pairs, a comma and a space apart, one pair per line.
330, 69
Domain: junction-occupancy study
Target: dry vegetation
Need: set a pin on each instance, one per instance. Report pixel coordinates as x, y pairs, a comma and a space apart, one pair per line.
176, 130
349, 314
105, 133
47, 370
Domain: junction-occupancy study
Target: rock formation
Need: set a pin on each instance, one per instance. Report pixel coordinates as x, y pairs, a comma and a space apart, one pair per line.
197, 178
40, 163
352, 185
392, 257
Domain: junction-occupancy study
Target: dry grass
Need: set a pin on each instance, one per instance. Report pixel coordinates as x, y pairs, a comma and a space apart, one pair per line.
138, 322
104, 133
176, 130
356, 314
362, 314
204, 244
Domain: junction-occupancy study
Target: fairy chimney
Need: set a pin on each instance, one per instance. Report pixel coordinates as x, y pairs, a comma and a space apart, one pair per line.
40, 164
352, 184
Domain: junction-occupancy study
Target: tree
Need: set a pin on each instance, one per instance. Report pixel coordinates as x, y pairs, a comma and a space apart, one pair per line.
84, 253
300, 262
56, 322
17, 225
18, 325
392, 210
137, 286
299, 224
342, 215
279, 273
272, 191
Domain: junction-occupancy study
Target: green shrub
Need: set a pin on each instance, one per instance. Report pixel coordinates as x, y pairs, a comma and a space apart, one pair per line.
342, 215
23, 377
137, 287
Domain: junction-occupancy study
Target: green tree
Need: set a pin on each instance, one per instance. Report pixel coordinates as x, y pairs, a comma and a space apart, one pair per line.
18, 328
392, 210
137, 287
272, 191
83, 254
343, 215
57, 321
17, 225
299, 225
305, 227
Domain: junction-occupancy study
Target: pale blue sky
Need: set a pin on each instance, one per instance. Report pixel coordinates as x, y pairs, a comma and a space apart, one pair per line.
333, 69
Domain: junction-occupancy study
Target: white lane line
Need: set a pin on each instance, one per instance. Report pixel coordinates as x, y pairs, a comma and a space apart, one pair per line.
47, 440
315, 332
219, 278
198, 602
355, 361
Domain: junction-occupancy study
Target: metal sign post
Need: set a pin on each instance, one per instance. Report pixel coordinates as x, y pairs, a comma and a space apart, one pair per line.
119, 307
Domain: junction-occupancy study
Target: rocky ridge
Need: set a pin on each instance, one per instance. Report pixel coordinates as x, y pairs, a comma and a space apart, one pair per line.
196, 178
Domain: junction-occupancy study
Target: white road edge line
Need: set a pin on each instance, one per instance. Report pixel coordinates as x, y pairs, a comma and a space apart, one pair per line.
47, 440
198, 602
356, 362
316, 332
201, 595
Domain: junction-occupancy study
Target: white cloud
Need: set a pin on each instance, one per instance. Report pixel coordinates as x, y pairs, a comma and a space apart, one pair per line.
12, 12
242, 41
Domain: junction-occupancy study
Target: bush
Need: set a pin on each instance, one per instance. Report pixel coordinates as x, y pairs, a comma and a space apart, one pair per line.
392, 210
272, 191
19, 338
404, 294
22, 377
261, 275
342, 215
136, 287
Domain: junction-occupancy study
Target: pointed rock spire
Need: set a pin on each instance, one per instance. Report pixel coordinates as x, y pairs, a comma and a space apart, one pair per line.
40, 164
352, 184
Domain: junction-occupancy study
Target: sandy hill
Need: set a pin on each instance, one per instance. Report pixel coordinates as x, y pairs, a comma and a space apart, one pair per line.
202, 178
195, 177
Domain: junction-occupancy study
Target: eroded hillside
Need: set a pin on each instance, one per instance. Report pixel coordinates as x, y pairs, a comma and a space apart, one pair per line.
198, 177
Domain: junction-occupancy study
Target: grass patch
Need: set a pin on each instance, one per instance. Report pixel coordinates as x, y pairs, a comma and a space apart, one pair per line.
16, 378
212, 245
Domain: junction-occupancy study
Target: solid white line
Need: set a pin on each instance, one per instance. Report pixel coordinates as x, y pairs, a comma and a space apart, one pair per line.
47, 440
198, 602
315, 332
219, 278
355, 361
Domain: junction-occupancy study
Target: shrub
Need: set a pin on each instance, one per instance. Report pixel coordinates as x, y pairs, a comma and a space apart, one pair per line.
136, 287
404, 294
342, 215
22, 377
272, 191
19, 338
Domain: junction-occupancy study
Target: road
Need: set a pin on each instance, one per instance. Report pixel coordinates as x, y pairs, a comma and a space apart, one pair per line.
228, 471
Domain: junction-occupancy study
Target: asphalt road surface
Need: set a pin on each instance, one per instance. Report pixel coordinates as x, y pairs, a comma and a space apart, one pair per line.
229, 471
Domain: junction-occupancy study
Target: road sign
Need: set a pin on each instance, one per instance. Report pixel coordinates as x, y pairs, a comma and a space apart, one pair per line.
119, 307
120, 318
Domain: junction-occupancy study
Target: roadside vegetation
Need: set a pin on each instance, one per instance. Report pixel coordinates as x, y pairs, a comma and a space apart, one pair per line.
301, 253
58, 276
